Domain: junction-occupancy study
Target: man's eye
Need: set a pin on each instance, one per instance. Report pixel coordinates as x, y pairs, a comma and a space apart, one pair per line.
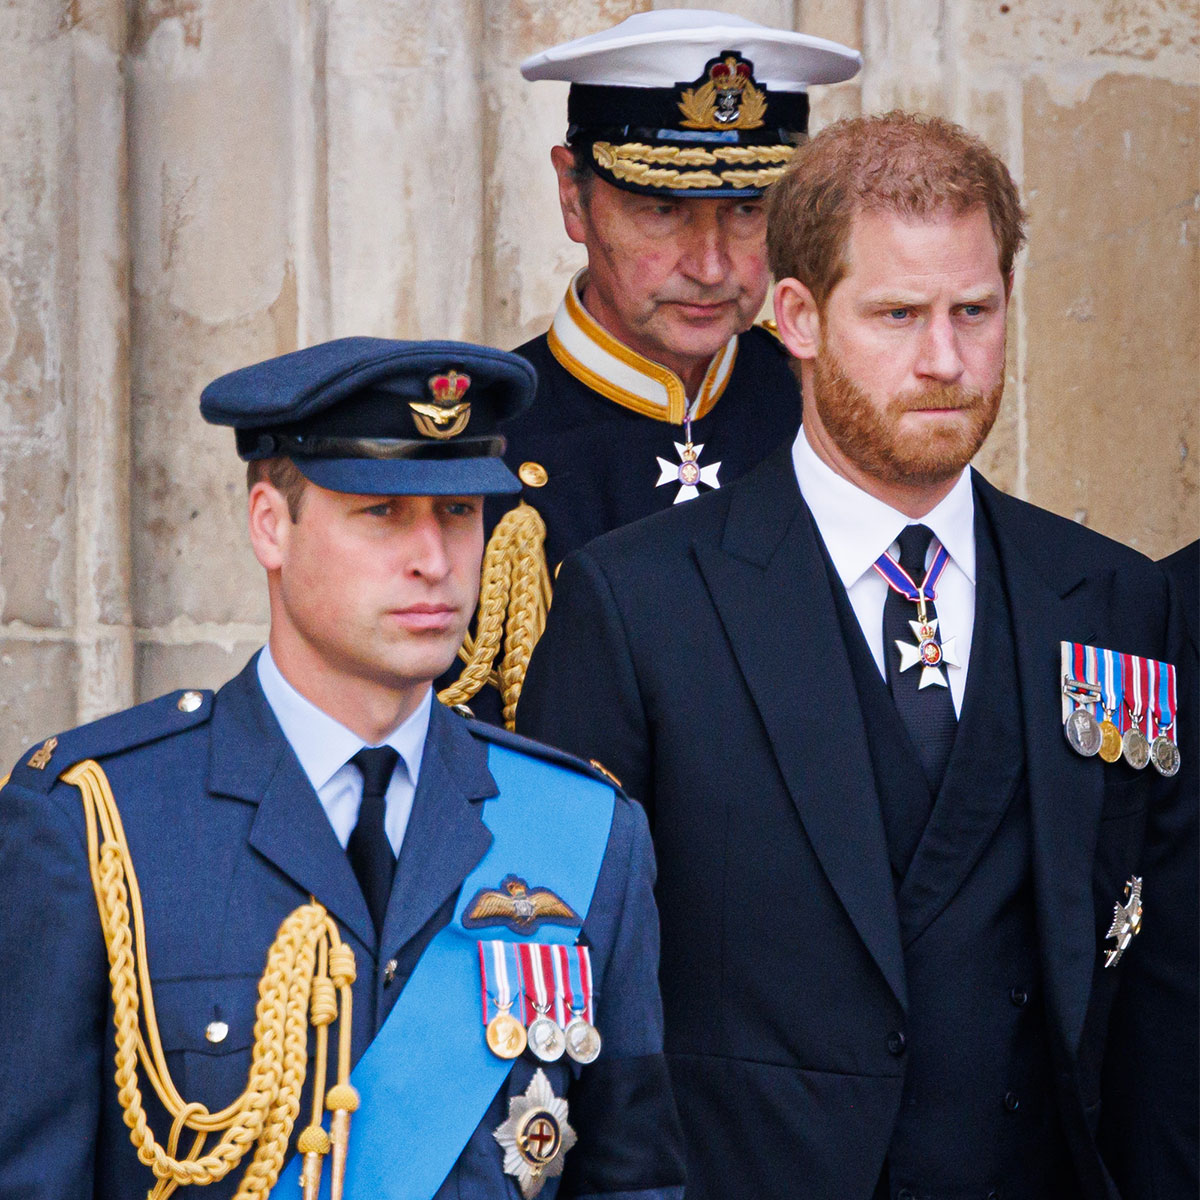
378, 510
460, 508
899, 314
973, 310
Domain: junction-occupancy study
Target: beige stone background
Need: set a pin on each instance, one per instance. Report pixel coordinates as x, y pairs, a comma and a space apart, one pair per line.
187, 186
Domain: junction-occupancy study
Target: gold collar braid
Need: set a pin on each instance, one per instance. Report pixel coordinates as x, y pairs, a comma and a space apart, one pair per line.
514, 596
309, 969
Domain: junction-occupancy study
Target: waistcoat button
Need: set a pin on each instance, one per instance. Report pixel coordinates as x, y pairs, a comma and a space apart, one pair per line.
895, 1043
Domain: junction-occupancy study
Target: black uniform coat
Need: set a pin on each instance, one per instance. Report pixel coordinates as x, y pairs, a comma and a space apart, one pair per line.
699, 656
600, 457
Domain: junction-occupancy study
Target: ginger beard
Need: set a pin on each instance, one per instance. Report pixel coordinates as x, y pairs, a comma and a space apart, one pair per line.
870, 433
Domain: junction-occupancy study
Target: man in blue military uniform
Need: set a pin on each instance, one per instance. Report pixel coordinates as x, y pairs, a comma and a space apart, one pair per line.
465, 918
917, 944
653, 384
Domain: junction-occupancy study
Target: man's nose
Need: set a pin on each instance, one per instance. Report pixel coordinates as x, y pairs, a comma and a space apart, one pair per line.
705, 255
426, 548
940, 356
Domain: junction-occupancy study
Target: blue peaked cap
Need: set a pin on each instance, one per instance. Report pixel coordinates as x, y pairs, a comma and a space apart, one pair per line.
380, 417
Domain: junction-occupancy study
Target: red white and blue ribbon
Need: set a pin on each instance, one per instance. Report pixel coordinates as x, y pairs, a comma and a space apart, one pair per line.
1164, 703
1110, 678
899, 580
576, 964
502, 978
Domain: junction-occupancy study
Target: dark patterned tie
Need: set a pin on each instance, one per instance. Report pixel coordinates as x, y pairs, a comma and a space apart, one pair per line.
369, 850
928, 713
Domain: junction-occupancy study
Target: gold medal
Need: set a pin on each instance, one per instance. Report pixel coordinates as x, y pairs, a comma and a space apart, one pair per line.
1110, 741
506, 1035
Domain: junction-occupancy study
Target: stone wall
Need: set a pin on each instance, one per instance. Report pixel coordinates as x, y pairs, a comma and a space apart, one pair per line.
189, 185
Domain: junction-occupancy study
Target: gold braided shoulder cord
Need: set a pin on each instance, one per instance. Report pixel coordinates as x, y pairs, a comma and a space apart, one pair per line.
514, 597
309, 970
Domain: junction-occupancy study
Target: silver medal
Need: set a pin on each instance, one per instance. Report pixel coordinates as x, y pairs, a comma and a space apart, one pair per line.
583, 1041
1164, 755
1083, 733
1135, 748
546, 1039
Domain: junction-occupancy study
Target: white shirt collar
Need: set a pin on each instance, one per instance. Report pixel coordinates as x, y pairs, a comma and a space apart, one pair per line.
857, 528
324, 745
589, 352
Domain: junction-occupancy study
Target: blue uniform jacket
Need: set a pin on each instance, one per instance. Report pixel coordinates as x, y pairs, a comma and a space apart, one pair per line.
227, 837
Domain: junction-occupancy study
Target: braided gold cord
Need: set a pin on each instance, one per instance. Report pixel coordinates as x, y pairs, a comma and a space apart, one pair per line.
261, 1119
514, 597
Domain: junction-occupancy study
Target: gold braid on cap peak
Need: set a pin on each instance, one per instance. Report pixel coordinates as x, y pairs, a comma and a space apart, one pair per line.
514, 597
641, 163
309, 969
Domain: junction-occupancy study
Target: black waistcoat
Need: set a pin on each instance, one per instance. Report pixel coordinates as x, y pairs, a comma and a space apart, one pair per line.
978, 1118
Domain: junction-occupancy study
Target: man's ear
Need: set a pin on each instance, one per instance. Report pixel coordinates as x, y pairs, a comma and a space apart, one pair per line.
270, 524
797, 318
569, 198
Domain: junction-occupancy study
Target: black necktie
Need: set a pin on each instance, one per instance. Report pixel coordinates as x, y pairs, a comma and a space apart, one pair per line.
928, 713
369, 850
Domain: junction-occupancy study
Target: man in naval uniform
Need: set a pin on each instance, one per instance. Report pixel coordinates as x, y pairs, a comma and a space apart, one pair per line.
653, 384
421, 856
899, 910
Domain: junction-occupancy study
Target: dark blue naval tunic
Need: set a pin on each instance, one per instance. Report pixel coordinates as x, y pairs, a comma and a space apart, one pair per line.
600, 457
227, 837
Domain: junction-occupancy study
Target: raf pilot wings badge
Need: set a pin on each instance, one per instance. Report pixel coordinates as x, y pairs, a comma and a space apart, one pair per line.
518, 906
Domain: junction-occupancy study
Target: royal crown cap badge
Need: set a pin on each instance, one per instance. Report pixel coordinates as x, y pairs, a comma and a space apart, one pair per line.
724, 97
449, 413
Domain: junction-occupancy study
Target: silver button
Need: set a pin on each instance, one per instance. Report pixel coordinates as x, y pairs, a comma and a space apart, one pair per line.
190, 701
389, 970
216, 1031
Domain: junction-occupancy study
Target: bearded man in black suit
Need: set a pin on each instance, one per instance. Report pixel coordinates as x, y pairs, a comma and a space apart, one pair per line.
891, 964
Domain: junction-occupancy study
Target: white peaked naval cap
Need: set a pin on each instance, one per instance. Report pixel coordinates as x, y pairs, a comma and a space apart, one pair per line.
662, 48
690, 102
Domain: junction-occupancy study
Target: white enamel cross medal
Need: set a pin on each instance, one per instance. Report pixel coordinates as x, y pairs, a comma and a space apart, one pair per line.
688, 472
929, 652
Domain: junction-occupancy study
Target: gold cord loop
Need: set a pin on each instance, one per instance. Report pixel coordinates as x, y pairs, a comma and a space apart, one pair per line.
514, 597
296, 980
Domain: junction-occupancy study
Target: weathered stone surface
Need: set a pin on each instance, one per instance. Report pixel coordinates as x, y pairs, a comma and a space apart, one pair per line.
37, 694
1113, 317
1159, 35
166, 668
325, 167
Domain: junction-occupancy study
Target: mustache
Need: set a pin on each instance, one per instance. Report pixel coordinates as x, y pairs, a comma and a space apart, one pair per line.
940, 396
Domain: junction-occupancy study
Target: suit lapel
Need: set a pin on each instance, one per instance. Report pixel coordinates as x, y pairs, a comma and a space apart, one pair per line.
252, 761
446, 836
985, 765
768, 582
1053, 601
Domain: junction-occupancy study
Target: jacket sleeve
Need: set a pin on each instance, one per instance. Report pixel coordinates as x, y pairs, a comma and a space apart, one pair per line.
630, 1140
1150, 1113
581, 693
53, 1008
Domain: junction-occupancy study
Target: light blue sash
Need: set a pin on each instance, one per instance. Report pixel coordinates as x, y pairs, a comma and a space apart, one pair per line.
428, 1076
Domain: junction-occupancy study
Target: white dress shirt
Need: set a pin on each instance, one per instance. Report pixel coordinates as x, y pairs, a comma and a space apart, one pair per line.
857, 528
325, 746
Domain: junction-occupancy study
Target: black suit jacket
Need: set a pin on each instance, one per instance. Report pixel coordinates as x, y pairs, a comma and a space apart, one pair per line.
698, 656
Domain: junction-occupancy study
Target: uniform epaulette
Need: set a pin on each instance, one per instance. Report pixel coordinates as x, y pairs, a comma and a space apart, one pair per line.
37, 769
515, 741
